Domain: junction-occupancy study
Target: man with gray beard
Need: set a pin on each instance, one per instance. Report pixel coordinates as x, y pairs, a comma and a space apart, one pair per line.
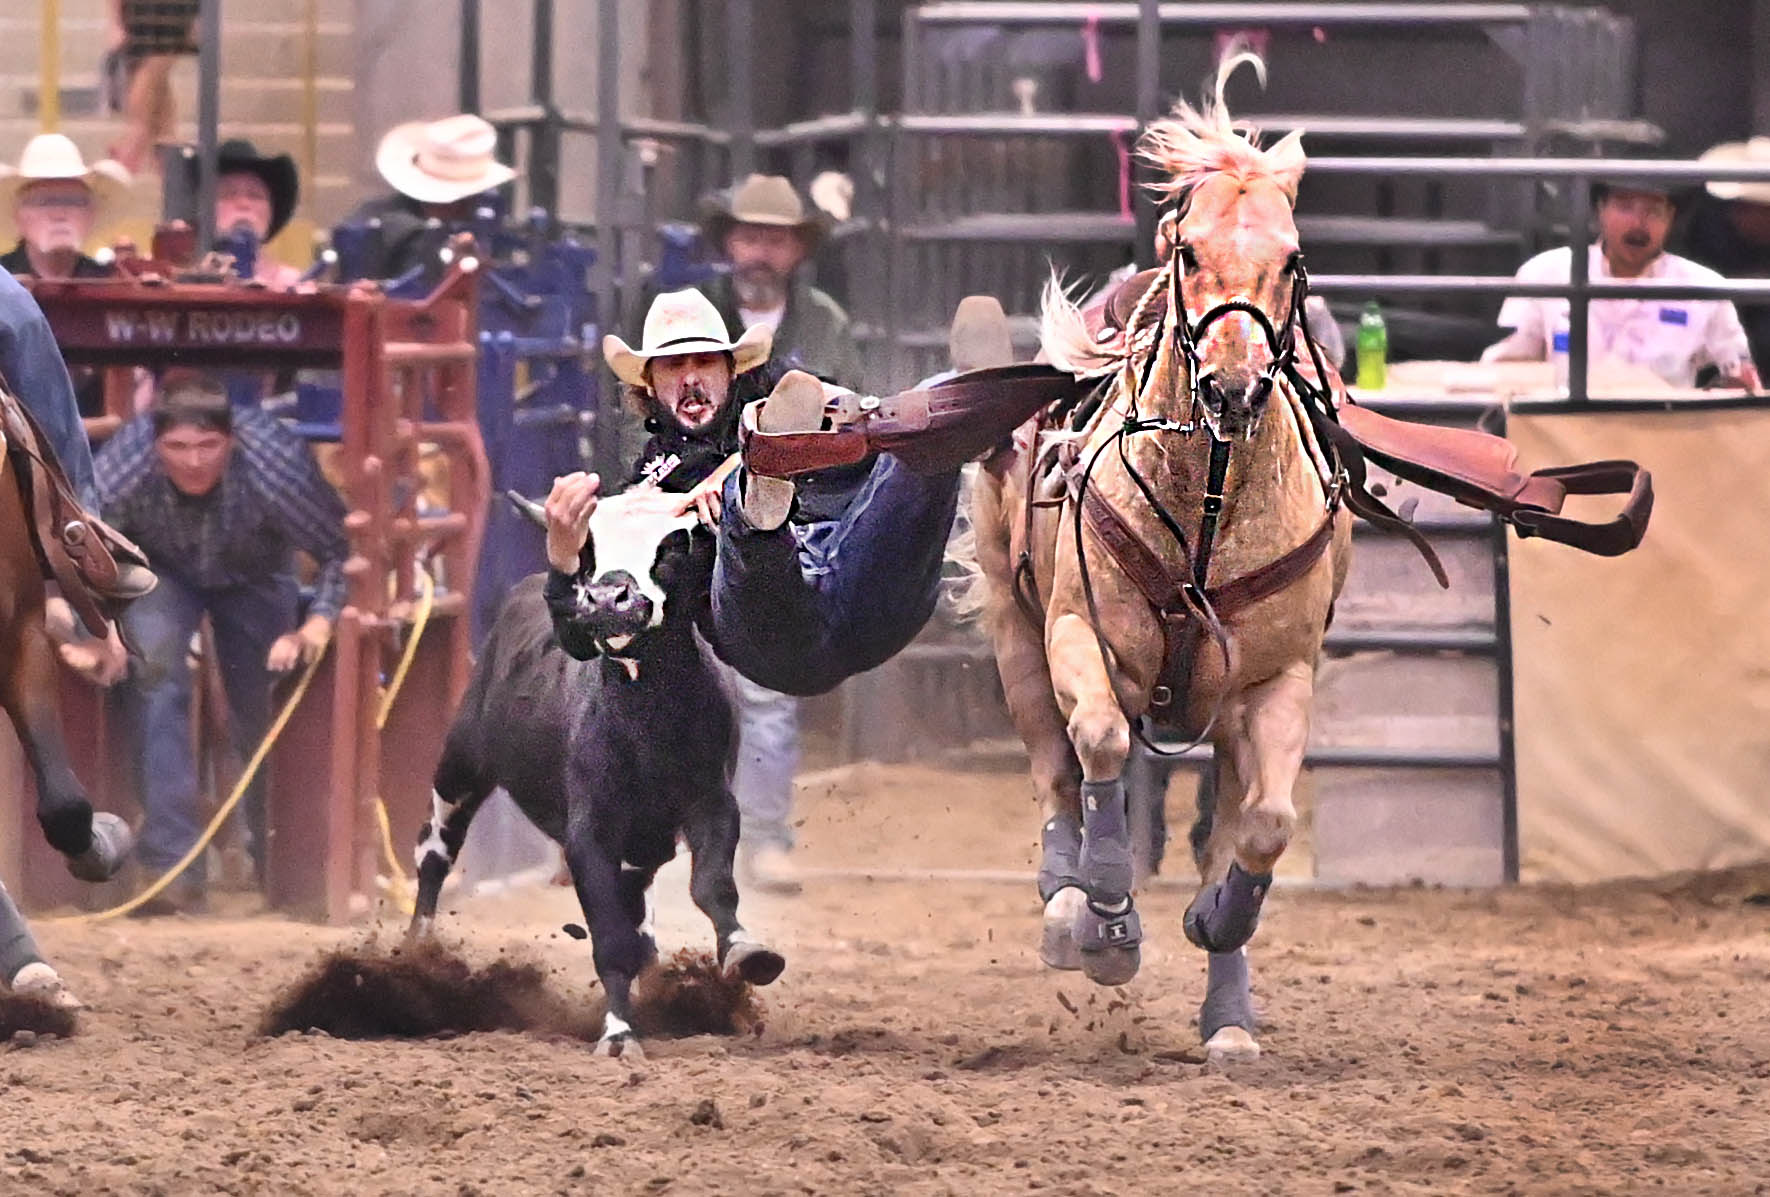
765, 232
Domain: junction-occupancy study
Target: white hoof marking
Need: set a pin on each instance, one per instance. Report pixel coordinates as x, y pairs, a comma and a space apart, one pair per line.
1231, 1045
1058, 948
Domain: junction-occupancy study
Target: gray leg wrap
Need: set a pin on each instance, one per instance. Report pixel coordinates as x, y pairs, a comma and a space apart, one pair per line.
1223, 916
17, 948
1060, 865
1106, 863
1100, 929
1228, 1000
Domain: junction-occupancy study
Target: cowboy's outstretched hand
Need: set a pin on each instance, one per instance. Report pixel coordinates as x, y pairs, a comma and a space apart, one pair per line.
300, 647
703, 500
569, 506
101, 662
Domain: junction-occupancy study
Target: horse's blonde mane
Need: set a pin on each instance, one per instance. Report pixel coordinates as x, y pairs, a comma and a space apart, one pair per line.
1194, 143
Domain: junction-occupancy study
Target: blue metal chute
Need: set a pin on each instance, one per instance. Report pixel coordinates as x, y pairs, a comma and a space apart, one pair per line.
537, 389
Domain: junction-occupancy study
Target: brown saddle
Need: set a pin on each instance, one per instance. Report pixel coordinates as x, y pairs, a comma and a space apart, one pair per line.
70, 541
1478, 470
932, 430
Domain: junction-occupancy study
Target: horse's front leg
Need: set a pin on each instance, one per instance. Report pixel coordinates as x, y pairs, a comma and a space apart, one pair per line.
1106, 929
1267, 729
95, 843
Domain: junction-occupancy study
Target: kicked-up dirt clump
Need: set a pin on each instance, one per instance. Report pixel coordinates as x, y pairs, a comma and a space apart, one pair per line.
418, 990
425, 989
23, 1012
691, 995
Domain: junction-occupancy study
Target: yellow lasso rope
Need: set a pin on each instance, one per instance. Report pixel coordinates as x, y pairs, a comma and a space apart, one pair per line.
426, 601
221, 814
399, 883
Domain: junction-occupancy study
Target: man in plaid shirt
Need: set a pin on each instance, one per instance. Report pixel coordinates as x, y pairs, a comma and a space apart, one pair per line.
220, 499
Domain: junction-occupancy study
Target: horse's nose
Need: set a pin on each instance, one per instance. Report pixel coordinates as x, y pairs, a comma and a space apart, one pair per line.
1240, 389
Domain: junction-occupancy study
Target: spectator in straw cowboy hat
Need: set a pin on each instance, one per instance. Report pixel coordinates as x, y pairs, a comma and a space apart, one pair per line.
436, 169
256, 193
765, 232
1674, 338
53, 198
1729, 231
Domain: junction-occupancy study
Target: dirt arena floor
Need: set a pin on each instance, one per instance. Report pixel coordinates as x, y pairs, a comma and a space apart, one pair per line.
1416, 1041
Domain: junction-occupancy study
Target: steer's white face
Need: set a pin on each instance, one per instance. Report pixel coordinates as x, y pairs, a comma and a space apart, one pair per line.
630, 535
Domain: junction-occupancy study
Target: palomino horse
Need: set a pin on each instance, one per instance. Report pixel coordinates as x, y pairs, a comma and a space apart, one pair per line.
1191, 499
95, 844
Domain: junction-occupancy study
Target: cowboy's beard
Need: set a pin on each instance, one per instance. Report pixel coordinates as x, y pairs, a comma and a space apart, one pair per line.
694, 406
759, 287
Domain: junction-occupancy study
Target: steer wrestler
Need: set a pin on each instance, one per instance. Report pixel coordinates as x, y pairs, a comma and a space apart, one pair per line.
831, 572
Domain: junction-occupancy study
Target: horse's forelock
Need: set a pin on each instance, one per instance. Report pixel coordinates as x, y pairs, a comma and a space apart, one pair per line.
1194, 144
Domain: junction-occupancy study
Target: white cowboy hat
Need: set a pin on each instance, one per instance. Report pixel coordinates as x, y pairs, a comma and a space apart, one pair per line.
53, 156
439, 162
1755, 152
680, 322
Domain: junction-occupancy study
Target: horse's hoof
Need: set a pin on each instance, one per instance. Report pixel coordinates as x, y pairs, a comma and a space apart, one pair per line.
1230, 1045
624, 1046
40, 981
1058, 947
1114, 966
1108, 941
112, 841
421, 928
754, 963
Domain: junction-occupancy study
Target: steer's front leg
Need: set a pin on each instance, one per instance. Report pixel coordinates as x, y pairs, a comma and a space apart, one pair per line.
618, 947
712, 843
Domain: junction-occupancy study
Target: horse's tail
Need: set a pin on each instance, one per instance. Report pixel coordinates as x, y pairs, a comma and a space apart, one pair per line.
1064, 336
964, 589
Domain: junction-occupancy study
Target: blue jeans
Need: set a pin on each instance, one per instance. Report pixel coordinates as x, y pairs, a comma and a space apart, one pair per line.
31, 364
803, 607
246, 621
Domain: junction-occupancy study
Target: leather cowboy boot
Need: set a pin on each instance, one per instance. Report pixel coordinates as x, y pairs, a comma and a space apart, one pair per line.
932, 430
89, 542
796, 405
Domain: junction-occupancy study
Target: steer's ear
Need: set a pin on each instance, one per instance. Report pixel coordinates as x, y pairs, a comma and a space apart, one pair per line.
685, 560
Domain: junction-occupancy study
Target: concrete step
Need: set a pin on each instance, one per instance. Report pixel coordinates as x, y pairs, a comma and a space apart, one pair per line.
251, 100
1442, 702
265, 48
1391, 587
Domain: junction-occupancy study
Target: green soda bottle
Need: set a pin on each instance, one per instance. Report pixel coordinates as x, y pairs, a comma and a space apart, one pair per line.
1373, 349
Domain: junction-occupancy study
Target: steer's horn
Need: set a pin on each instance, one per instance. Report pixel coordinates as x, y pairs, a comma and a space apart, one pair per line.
528, 507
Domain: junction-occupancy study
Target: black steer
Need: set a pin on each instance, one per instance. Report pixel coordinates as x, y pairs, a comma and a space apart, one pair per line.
614, 756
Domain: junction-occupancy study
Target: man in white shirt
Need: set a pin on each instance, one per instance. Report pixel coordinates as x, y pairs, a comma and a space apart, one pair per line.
1674, 338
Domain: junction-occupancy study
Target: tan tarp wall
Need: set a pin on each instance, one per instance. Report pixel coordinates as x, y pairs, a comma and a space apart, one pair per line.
1643, 682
